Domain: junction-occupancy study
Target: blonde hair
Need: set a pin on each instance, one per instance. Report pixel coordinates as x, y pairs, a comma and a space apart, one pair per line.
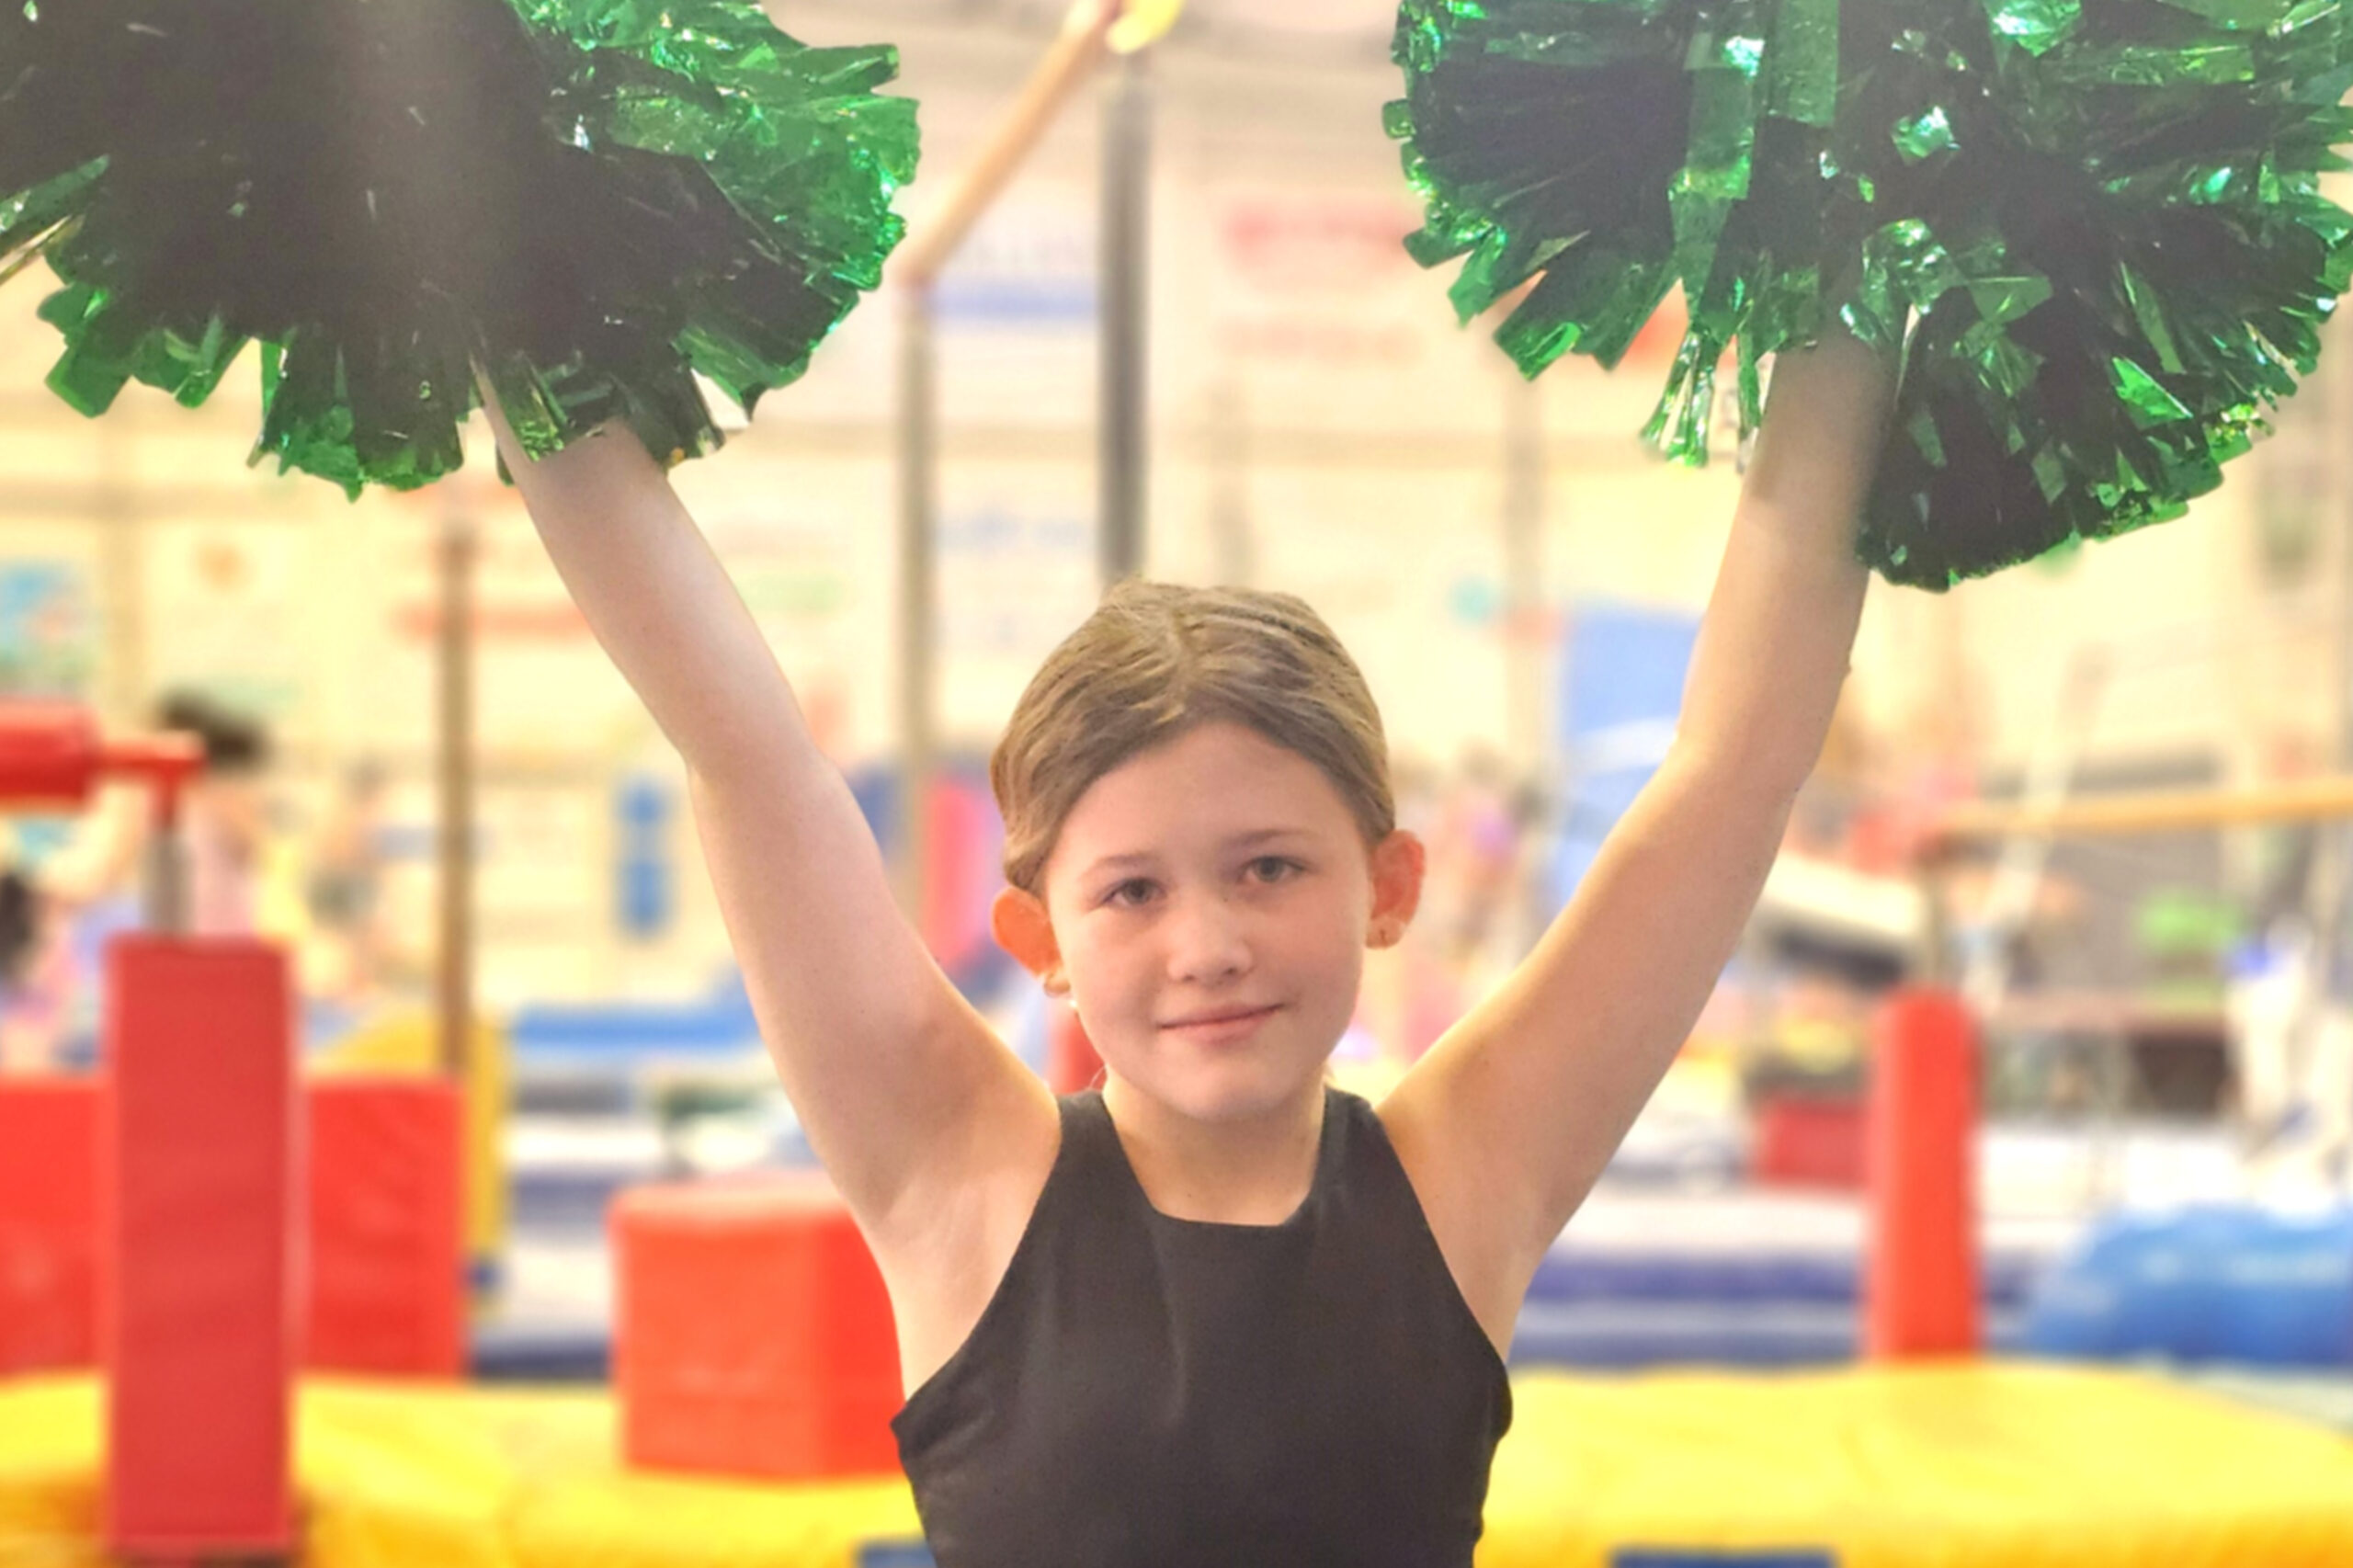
1156, 660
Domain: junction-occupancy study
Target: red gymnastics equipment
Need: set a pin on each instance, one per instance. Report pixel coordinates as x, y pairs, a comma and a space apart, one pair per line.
382, 1250
197, 1216
753, 1334
51, 757
385, 1259
1920, 1287
49, 1223
196, 1188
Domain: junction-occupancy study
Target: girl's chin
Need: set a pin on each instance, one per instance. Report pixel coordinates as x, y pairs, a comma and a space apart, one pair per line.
1228, 1091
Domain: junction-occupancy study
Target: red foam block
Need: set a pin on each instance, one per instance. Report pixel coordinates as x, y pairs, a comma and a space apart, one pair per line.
387, 1232
49, 1245
753, 1336
197, 1212
1802, 1142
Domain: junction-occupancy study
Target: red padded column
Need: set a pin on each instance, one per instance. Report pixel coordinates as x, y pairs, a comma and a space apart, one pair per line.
198, 1214
1921, 1296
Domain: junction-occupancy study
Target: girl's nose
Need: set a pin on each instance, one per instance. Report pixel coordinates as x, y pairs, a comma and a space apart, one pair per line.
1207, 942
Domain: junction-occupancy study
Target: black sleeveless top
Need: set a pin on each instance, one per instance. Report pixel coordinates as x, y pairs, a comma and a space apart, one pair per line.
1145, 1391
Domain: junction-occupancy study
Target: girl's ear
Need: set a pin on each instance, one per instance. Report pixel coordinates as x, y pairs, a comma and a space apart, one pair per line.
1397, 865
1019, 923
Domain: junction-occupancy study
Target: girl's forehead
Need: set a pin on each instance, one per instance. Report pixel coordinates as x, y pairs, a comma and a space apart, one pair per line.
1212, 767
1217, 785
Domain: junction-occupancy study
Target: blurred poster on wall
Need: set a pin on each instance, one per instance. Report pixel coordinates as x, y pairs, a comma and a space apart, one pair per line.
1321, 320
49, 626
541, 686
794, 535
1015, 314
809, 541
1430, 637
223, 611
544, 903
1017, 573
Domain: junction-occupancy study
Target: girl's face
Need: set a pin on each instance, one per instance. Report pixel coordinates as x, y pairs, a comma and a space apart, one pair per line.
1208, 905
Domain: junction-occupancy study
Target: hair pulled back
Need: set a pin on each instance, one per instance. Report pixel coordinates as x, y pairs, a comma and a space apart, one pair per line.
1156, 660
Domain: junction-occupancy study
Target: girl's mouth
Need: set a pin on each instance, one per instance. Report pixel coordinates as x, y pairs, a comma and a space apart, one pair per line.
1226, 1026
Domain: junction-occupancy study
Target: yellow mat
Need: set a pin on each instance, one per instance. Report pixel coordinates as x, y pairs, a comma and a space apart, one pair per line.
2007, 1465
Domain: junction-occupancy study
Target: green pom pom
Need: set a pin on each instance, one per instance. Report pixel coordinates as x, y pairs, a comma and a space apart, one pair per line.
2093, 226
590, 201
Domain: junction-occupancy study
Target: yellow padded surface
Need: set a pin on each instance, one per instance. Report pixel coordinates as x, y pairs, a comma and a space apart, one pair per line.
1966, 1466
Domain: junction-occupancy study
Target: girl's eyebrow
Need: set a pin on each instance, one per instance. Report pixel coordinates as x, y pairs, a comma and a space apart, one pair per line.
1266, 835
1251, 840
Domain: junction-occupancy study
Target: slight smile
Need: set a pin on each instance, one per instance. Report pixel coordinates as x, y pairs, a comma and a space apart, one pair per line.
1223, 1026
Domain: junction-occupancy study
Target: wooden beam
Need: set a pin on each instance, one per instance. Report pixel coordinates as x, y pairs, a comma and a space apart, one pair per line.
1084, 41
2160, 812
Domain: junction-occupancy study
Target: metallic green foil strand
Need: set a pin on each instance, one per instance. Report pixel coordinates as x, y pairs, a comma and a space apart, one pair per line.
1924, 135
2004, 299
2141, 65
2035, 26
2148, 401
2240, 16
1593, 304
1804, 63
101, 339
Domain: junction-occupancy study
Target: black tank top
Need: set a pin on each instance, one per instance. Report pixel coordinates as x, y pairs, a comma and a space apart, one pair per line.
1145, 1391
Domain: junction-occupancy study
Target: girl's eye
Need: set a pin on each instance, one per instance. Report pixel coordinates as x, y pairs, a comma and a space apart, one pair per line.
1275, 869
1129, 894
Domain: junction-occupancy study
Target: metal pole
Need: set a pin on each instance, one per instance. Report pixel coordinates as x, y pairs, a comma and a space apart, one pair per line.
2333, 857
164, 885
2026, 857
1125, 305
918, 519
1527, 643
917, 270
454, 844
1523, 584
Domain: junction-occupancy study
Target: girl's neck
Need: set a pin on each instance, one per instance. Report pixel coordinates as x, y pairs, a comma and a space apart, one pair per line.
1253, 1172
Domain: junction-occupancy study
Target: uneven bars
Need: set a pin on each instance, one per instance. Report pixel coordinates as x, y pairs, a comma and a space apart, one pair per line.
2176, 811
1086, 39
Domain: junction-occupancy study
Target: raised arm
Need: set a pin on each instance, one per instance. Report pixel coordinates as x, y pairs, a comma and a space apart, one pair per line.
902, 1088
1508, 1122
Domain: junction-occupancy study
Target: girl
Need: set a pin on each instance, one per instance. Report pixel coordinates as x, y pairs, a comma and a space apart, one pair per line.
1217, 1312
